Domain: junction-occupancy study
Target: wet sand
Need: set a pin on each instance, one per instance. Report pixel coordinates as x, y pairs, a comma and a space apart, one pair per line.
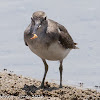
14, 87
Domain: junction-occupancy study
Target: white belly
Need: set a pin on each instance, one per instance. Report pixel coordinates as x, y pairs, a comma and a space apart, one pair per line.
54, 52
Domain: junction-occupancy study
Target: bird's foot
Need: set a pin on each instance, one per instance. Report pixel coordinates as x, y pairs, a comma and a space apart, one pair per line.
60, 86
42, 86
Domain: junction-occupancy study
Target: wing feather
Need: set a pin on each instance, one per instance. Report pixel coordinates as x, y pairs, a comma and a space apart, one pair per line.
65, 38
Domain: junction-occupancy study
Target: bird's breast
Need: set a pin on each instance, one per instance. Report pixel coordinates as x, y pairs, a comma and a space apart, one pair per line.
52, 52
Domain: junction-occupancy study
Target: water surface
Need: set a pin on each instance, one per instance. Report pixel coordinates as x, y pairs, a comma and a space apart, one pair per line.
81, 18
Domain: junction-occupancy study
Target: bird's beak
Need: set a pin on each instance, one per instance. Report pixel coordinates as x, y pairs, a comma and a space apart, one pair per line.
37, 23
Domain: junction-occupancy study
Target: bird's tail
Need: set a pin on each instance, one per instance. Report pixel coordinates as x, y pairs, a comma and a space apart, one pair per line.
75, 46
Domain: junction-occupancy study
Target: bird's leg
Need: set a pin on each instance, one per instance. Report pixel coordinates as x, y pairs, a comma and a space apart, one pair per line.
60, 70
46, 69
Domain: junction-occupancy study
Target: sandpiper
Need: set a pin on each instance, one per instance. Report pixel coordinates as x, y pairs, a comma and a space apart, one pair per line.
49, 40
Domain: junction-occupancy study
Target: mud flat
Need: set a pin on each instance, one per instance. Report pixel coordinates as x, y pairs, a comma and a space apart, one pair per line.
14, 87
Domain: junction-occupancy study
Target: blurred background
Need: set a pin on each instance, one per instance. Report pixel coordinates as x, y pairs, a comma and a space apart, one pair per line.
82, 20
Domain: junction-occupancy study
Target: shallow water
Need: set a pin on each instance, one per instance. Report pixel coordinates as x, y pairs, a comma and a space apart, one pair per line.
81, 18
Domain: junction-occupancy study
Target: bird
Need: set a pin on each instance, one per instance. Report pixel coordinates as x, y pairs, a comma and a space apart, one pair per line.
49, 40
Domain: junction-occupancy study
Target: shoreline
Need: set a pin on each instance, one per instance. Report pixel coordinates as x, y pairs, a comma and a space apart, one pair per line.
22, 88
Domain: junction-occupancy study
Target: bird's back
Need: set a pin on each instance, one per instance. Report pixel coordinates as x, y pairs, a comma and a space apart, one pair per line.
60, 33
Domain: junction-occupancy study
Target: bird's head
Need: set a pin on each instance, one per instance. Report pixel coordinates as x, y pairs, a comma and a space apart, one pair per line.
37, 20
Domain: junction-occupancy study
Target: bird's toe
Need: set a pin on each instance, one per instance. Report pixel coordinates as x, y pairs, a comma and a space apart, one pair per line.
60, 86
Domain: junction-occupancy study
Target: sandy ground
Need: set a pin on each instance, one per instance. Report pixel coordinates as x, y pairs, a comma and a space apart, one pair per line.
14, 87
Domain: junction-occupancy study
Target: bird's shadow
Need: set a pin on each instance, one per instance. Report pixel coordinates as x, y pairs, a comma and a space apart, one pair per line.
32, 88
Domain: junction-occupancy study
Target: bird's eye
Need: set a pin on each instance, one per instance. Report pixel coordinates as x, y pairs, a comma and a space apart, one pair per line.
45, 18
39, 26
32, 19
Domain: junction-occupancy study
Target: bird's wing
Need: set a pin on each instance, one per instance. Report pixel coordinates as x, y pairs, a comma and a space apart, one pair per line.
60, 33
64, 38
26, 44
